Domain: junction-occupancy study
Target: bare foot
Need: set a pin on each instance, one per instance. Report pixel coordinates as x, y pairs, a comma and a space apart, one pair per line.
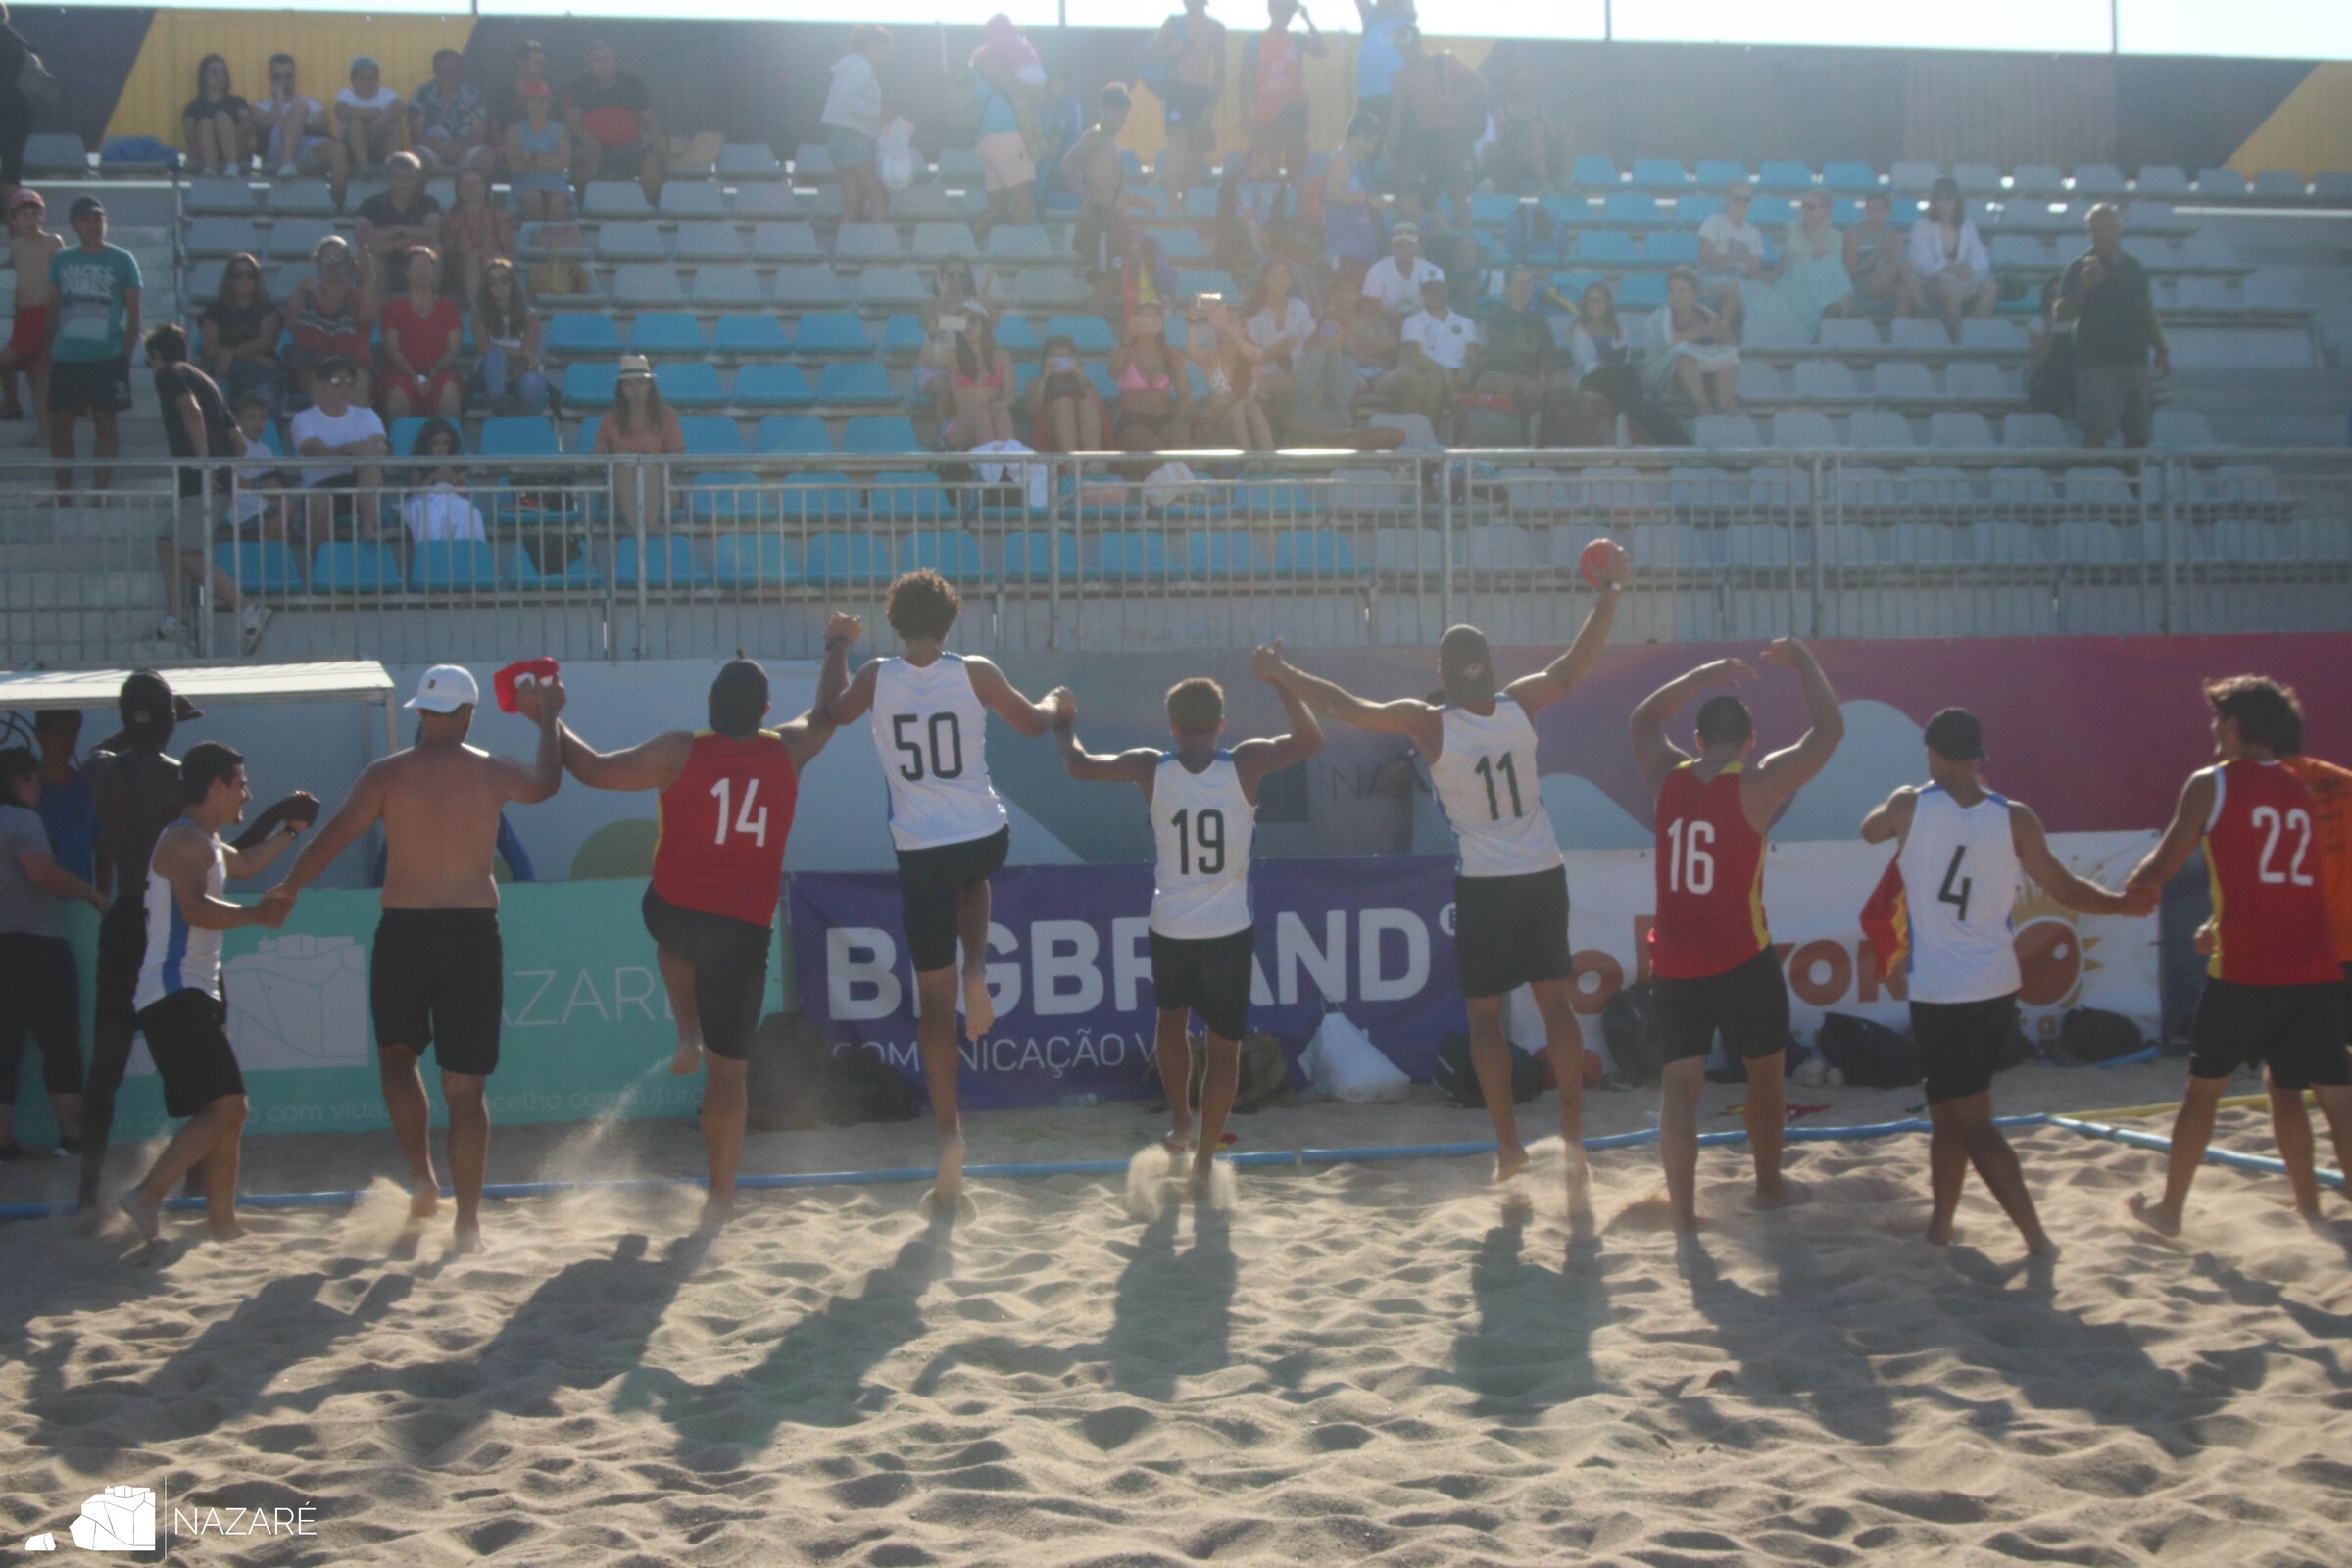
1510, 1161
1782, 1194
979, 1007
688, 1062
147, 1213
949, 1186
716, 1212
1941, 1232
425, 1201
224, 1230
467, 1241
2154, 1215
1179, 1140
2042, 1248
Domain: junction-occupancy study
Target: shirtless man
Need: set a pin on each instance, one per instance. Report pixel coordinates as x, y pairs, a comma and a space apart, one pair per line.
437, 976
1093, 170
30, 249
1191, 45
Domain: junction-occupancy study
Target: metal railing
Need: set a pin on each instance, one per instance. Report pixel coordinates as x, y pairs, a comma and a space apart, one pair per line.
646, 557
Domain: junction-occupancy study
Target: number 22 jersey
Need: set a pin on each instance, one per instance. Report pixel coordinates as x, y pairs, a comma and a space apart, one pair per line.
724, 820
2270, 910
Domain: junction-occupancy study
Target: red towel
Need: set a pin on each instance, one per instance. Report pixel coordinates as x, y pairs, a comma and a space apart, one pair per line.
542, 668
1887, 920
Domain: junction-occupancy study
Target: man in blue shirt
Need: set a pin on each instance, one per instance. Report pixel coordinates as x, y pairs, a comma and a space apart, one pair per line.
91, 332
67, 810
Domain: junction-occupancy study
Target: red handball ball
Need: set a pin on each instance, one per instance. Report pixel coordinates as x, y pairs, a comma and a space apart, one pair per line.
1599, 559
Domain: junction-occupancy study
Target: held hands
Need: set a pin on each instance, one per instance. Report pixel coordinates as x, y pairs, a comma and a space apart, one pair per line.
2142, 900
1267, 664
1786, 651
843, 629
540, 701
276, 906
1063, 705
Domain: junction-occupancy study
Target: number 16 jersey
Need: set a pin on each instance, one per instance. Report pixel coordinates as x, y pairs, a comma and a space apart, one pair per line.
724, 820
1486, 779
932, 732
1959, 868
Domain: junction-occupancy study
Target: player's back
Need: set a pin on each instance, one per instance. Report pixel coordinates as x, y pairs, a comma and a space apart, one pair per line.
1485, 776
1960, 880
931, 731
1710, 876
1202, 825
725, 819
2261, 857
2331, 789
440, 816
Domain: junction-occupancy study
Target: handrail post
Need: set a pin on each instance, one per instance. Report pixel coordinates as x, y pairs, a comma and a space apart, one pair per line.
1813, 626
204, 571
1053, 556
2175, 474
1444, 534
644, 567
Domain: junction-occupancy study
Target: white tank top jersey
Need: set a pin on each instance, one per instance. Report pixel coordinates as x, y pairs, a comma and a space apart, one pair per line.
1202, 823
932, 732
1960, 882
1486, 779
179, 957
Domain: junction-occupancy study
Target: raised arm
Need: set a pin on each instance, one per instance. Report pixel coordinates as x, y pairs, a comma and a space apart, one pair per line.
1891, 818
1775, 781
2190, 820
361, 809
250, 856
1137, 768
1557, 679
183, 859
839, 699
1653, 753
1254, 759
1002, 699
805, 737
540, 702
1408, 716
653, 764
2035, 856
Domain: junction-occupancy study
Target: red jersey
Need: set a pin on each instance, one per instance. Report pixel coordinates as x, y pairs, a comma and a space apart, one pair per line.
1710, 866
2331, 812
1279, 62
2262, 853
724, 820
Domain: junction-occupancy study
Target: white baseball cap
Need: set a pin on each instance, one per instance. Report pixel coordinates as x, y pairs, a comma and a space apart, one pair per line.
445, 689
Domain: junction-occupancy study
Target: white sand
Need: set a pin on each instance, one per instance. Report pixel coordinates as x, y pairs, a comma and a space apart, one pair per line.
1366, 1363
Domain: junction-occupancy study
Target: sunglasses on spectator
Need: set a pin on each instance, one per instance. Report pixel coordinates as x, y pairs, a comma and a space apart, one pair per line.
343, 381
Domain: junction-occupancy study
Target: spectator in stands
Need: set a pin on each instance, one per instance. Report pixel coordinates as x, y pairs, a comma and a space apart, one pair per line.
614, 134
1377, 57
539, 158
197, 427
258, 503
333, 314
1813, 276
508, 107
1518, 370
1274, 86
16, 110
370, 117
1733, 272
954, 300
1463, 261
1522, 158
1249, 202
422, 331
1060, 120
399, 218
334, 432
216, 125
1093, 169
2104, 293
1600, 354
293, 132
1352, 199
507, 376
1948, 259
2051, 354
854, 119
472, 232
92, 330
449, 123
1692, 346
1877, 258
438, 509
1066, 410
640, 424
1435, 358
1235, 411
999, 67
981, 385
1439, 110
1326, 393
30, 249
1397, 279
1281, 324
68, 808
1156, 395
239, 330
1188, 71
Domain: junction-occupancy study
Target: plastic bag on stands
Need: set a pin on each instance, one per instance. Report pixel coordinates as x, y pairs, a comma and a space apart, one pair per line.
1030, 476
893, 155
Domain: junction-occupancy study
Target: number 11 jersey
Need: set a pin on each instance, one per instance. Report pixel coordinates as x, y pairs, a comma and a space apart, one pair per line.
932, 732
1486, 779
724, 820
1959, 868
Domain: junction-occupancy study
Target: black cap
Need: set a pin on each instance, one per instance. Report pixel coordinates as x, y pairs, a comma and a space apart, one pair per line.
145, 702
1466, 663
1956, 735
83, 206
738, 698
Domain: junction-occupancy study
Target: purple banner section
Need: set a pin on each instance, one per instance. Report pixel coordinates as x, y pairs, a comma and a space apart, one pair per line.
1071, 968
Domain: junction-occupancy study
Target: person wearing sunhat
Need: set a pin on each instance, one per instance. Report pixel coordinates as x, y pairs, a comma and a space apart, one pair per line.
370, 118
92, 332
640, 424
436, 975
1395, 279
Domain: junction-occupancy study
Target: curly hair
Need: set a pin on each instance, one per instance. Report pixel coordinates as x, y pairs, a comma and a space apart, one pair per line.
922, 605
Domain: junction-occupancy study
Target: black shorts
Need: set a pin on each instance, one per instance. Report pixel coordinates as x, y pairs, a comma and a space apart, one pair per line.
930, 884
1206, 975
1960, 1043
39, 996
1749, 1002
437, 980
1510, 931
187, 1034
89, 386
2297, 1032
729, 958
121, 952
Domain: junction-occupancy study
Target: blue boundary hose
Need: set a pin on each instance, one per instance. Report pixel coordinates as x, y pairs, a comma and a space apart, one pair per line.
1067, 1168
2135, 1139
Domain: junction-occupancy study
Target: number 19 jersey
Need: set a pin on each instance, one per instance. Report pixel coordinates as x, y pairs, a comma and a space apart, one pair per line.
1202, 823
1486, 779
1959, 868
724, 820
932, 732
2270, 910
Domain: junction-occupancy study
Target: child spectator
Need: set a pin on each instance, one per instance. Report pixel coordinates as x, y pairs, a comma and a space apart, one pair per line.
30, 248
256, 486
1068, 411
438, 509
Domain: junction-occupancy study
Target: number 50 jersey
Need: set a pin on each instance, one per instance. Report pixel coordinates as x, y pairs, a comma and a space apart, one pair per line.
932, 732
724, 820
1486, 779
1959, 868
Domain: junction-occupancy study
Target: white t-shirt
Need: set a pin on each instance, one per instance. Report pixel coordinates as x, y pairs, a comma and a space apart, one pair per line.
384, 98
1399, 294
1448, 341
441, 513
854, 99
271, 108
356, 423
1298, 322
1719, 231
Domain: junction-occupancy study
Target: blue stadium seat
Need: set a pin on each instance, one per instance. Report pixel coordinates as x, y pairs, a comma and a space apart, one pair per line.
692, 198
615, 198
708, 241
1879, 430
1207, 280
589, 385
1784, 176
648, 283
1696, 209
669, 563
754, 561
1902, 382
1771, 213
1671, 247
1180, 246
522, 435
938, 241
832, 332
667, 332
1091, 333
345, 566
1019, 242
690, 385
1629, 209
449, 565
1605, 247
879, 432
1315, 553
406, 430
1029, 559
1592, 171
960, 166
731, 283
582, 333
1641, 291
1958, 432
220, 236
804, 284
711, 434
786, 242
811, 161
854, 382
584, 438
1049, 288
288, 198
1848, 176
794, 433
1492, 210
258, 566
1714, 173
1123, 555
729, 501
868, 242
1659, 174
1807, 428
750, 334
208, 194
1570, 211
769, 385
770, 200
749, 160
294, 238
909, 495
903, 335
880, 287
1223, 554
861, 559
1824, 381
950, 552
635, 241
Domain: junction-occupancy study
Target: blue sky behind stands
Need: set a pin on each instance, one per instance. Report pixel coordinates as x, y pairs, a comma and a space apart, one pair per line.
2303, 29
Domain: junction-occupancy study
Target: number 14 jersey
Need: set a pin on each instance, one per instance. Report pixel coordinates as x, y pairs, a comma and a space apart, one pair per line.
1959, 868
724, 820
1485, 777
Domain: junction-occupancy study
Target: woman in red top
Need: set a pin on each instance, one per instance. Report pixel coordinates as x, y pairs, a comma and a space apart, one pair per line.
422, 331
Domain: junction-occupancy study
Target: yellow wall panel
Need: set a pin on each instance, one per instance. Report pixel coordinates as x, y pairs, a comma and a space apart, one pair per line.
2311, 131
323, 44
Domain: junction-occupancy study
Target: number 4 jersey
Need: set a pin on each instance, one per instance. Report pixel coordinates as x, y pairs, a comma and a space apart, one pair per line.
1486, 779
1202, 823
1959, 870
932, 732
724, 820
2270, 911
